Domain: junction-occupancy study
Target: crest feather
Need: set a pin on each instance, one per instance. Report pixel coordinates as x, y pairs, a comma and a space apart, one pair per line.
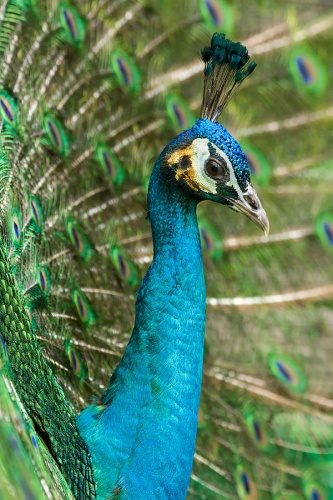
227, 64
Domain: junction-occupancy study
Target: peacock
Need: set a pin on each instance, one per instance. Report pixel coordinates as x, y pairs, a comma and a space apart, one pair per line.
104, 389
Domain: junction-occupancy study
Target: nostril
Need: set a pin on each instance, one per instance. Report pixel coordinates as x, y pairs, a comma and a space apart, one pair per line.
251, 201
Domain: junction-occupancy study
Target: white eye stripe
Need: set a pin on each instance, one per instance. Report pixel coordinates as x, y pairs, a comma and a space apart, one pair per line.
201, 153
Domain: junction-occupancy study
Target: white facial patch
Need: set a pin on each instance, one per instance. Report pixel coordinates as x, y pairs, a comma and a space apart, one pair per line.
201, 153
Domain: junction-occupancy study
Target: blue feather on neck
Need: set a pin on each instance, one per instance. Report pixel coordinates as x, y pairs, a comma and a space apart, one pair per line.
142, 437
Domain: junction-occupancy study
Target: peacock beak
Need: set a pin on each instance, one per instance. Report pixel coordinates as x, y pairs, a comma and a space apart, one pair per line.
249, 204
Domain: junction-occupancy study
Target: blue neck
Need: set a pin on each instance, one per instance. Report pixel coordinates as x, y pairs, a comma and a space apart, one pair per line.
142, 438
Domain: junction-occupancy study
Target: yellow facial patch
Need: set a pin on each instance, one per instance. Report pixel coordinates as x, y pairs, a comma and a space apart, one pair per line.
187, 174
190, 163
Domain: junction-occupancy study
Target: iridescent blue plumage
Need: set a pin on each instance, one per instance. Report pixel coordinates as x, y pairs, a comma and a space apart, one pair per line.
141, 434
147, 419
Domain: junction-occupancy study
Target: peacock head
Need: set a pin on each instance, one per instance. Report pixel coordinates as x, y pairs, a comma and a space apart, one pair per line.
206, 160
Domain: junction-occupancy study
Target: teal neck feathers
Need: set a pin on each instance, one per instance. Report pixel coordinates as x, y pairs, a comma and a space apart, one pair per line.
142, 435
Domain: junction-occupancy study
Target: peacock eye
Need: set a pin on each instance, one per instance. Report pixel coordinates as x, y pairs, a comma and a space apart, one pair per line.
216, 169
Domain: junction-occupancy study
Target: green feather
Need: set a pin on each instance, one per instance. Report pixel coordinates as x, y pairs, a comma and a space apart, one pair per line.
73, 24
309, 73
8, 109
258, 164
179, 112
126, 71
246, 488
259, 433
126, 269
75, 360
43, 279
79, 240
217, 15
83, 307
315, 491
110, 164
288, 371
15, 226
57, 136
29, 312
36, 213
324, 230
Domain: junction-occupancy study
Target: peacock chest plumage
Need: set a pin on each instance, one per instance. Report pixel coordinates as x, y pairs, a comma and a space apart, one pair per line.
90, 405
